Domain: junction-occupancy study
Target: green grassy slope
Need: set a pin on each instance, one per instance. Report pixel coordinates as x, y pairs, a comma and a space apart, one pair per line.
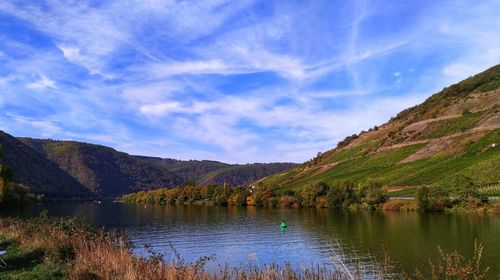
456, 131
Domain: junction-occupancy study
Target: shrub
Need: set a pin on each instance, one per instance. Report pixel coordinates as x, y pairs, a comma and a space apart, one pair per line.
309, 194
372, 193
288, 201
335, 197
399, 205
272, 202
423, 197
321, 202
465, 189
342, 194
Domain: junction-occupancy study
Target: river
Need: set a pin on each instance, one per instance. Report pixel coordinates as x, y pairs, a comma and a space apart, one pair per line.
238, 236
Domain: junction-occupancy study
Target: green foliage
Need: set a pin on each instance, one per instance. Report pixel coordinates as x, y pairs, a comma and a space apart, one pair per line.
372, 192
465, 188
451, 126
342, 194
263, 196
422, 197
466, 195
347, 140
308, 195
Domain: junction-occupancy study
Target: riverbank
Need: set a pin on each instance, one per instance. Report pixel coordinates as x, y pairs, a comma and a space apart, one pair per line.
45, 248
369, 195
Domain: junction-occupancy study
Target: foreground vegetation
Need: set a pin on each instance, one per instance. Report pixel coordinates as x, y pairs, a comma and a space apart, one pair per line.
43, 248
465, 196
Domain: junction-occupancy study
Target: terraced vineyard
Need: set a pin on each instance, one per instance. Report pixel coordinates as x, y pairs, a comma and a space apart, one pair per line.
455, 132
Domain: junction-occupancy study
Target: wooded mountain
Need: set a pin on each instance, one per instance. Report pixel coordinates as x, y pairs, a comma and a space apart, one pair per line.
455, 132
206, 172
75, 169
103, 170
36, 171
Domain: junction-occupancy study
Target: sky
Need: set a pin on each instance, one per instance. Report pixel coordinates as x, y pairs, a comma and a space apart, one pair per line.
235, 81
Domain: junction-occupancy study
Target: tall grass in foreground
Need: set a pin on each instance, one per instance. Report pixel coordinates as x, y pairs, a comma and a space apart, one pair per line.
64, 249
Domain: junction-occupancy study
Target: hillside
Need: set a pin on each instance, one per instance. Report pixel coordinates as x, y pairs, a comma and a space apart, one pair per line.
455, 131
243, 174
74, 169
103, 170
42, 175
190, 170
206, 172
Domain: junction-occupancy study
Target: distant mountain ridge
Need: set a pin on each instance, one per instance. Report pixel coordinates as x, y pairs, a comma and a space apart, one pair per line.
455, 132
76, 169
206, 172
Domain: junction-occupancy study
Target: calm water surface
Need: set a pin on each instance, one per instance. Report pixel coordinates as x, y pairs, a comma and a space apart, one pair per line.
239, 236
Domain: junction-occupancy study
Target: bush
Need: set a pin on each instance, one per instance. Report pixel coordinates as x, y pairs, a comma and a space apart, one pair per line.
273, 202
342, 194
335, 197
287, 201
309, 194
372, 193
423, 194
321, 202
399, 205
433, 199
465, 189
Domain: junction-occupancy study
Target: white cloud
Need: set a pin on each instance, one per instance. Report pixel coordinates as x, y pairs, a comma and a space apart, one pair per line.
166, 108
4, 81
42, 83
150, 92
164, 69
45, 128
70, 53
191, 68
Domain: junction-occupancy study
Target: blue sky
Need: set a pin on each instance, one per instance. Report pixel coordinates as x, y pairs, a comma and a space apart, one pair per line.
235, 81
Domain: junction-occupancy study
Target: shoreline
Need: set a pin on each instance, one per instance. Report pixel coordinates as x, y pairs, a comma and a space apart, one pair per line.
392, 205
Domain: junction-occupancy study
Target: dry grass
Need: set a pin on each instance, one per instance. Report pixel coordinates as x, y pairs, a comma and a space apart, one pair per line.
453, 266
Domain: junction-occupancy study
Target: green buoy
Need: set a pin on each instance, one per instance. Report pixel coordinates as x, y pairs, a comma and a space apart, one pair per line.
283, 225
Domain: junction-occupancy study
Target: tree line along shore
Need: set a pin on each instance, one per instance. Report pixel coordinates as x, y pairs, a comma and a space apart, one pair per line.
369, 194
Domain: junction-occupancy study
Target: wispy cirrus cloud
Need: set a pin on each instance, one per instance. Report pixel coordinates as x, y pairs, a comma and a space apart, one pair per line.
42, 83
240, 81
